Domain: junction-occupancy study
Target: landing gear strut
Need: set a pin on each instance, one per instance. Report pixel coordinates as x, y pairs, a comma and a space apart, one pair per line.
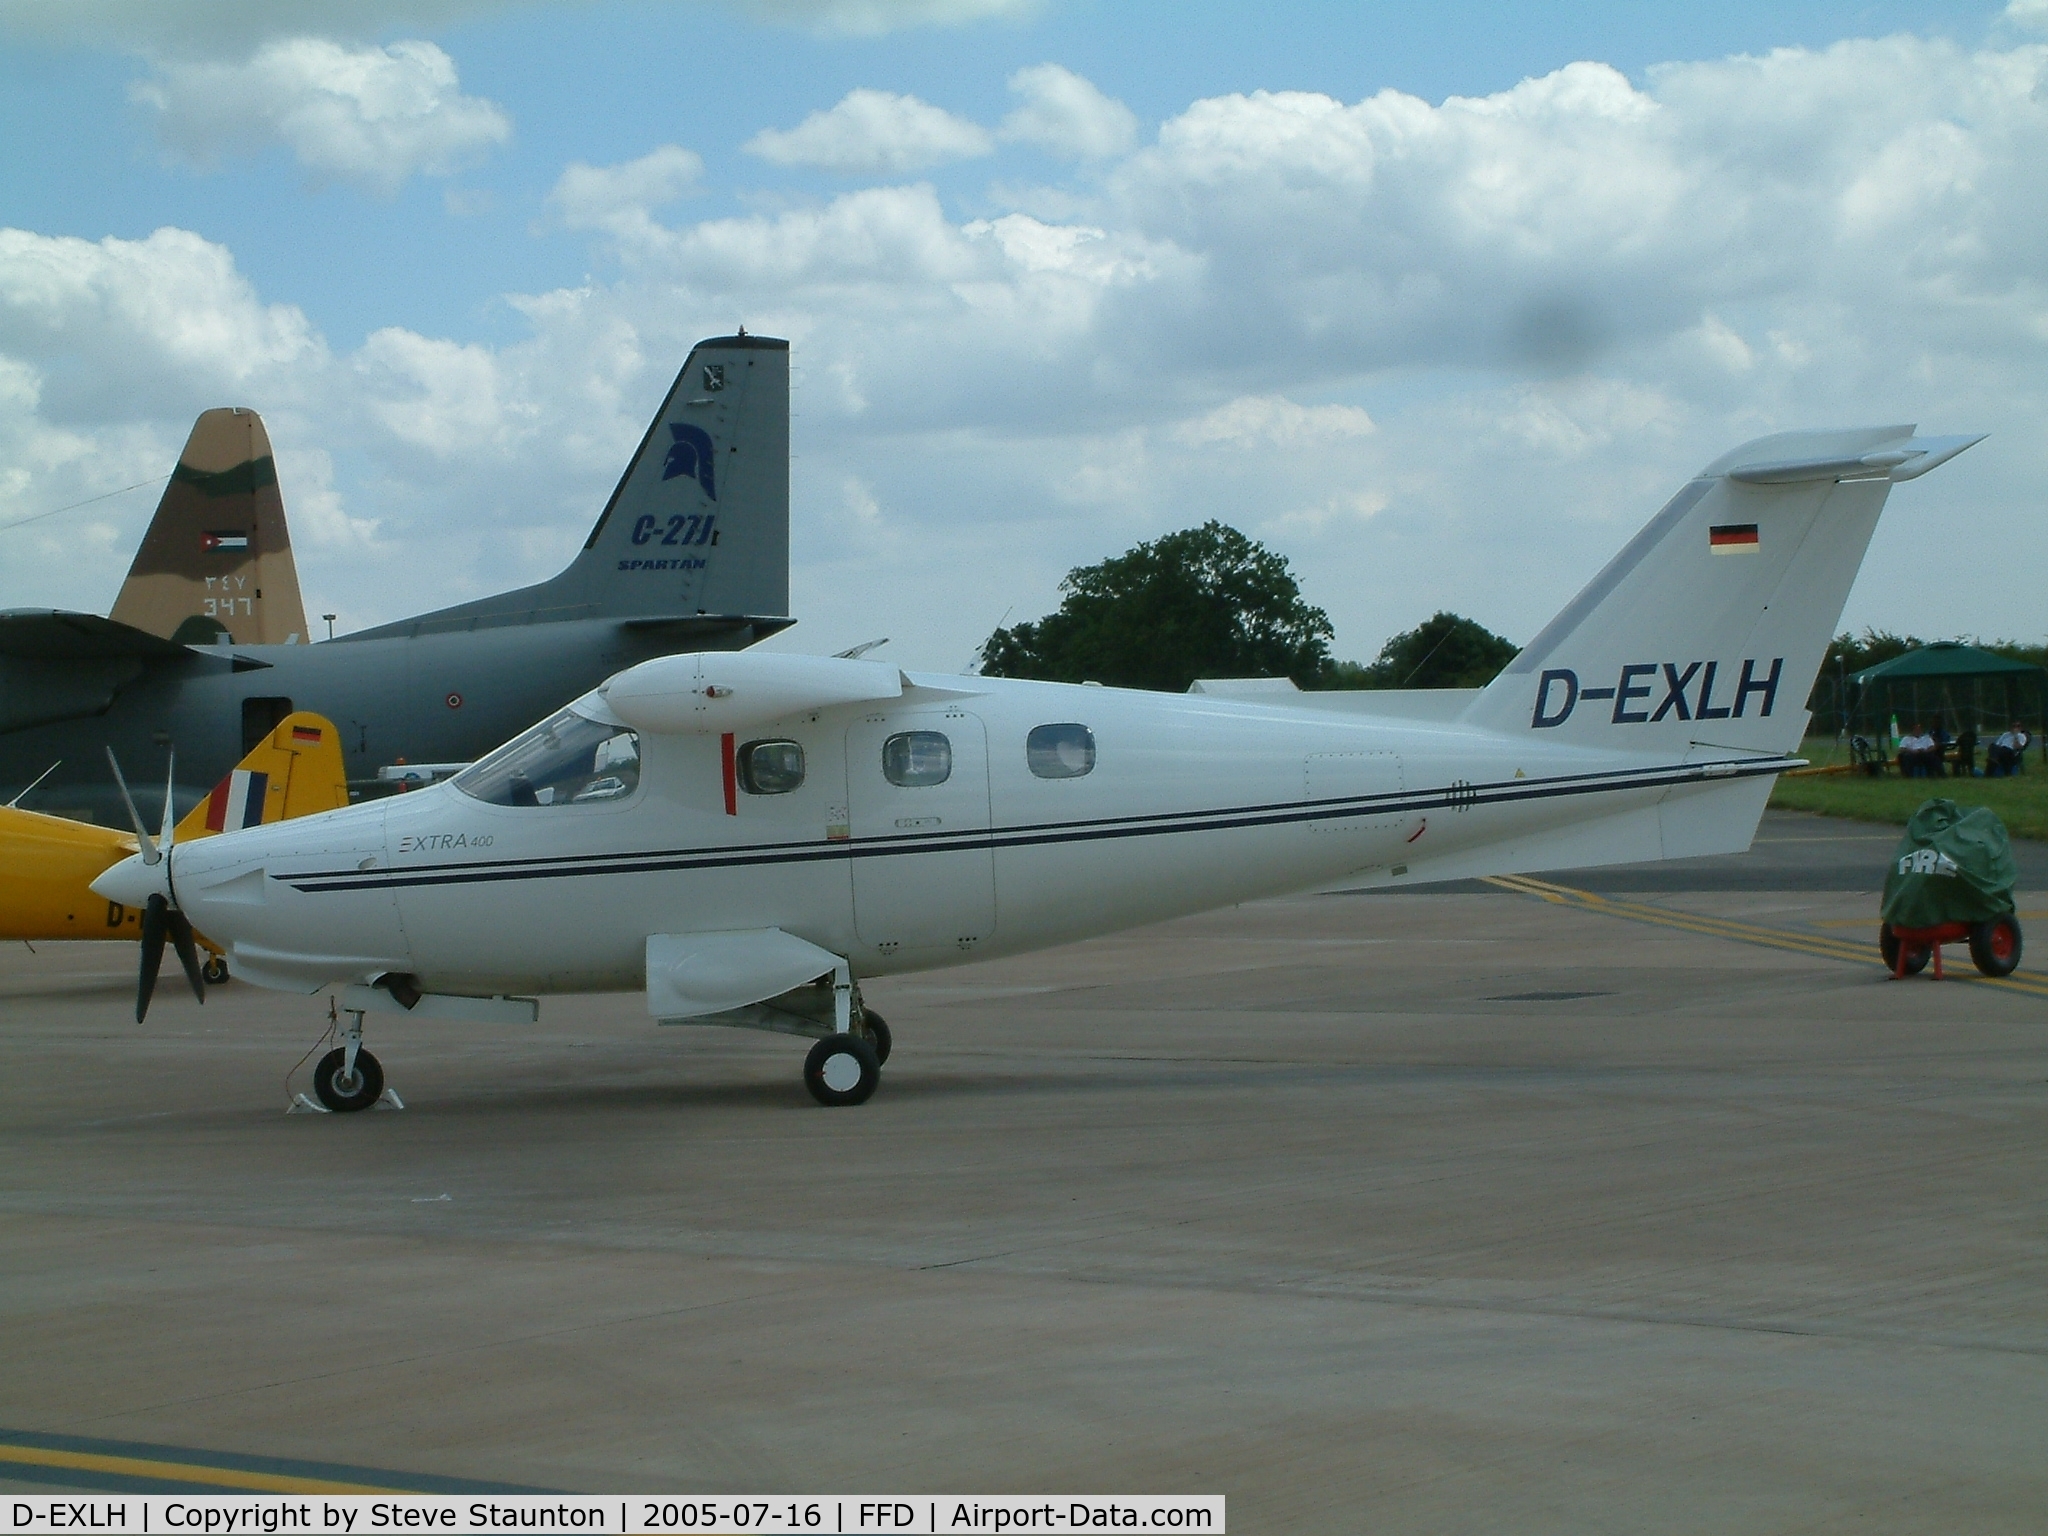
348, 1077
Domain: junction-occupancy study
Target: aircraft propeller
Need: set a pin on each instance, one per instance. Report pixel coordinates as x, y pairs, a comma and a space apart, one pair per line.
160, 918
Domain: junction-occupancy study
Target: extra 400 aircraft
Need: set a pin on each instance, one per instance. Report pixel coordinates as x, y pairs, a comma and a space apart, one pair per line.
746, 836
692, 549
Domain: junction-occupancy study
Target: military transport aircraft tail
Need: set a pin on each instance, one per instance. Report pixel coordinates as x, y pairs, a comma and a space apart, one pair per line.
1704, 634
217, 557
697, 529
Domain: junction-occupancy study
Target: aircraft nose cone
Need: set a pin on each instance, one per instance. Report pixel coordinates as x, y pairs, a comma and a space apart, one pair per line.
132, 882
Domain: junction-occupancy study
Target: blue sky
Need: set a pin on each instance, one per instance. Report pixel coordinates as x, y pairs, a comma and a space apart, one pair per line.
1205, 266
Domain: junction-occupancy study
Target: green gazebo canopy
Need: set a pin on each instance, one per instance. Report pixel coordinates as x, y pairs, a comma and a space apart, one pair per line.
1944, 659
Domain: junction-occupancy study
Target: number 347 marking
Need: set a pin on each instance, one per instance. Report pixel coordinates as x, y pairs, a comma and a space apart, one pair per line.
681, 530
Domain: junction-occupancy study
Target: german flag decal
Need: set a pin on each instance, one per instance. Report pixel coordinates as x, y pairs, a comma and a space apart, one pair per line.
1732, 539
306, 733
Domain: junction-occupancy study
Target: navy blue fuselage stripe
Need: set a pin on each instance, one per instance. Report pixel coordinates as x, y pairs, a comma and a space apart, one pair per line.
1417, 799
1503, 792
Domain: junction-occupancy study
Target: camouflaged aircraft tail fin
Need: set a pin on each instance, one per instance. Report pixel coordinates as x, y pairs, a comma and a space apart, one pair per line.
217, 557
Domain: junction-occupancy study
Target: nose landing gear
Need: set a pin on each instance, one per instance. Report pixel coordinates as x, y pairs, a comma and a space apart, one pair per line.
348, 1078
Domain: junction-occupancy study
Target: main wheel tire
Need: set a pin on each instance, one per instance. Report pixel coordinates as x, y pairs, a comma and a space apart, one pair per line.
877, 1029
342, 1095
215, 970
1995, 946
1917, 955
842, 1069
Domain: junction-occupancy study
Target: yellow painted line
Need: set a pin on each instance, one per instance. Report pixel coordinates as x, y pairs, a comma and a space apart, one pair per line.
1820, 945
177, 1472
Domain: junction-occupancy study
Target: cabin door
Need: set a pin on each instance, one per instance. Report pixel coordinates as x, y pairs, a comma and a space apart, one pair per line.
918, 801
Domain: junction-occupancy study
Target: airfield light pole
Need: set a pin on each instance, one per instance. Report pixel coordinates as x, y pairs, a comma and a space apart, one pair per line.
330, 624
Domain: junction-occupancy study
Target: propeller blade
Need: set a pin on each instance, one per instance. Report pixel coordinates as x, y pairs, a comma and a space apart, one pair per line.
188, 951
170, 827
155, 919
150, 855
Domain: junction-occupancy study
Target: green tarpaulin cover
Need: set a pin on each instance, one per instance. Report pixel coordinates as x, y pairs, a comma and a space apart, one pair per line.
1952, 866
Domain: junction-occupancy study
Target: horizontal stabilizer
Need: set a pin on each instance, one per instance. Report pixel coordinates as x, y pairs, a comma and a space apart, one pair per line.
1906, 460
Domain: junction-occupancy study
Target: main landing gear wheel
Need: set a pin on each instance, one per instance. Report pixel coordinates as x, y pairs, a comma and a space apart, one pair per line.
360, 1090
878, 1034
1995, 946
842, 1069
215, 970
1916, 956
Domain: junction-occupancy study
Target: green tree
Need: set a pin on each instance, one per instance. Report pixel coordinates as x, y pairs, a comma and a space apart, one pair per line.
1443, 651
1204, 602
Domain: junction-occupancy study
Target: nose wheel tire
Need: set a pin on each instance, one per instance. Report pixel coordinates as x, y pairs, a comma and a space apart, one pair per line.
215, 970
842, 1069
358, 1091
1995, 946
878, 1034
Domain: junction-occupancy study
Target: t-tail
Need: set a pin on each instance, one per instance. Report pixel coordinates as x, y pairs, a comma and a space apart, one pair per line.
697, 532
1702, 638
217, 557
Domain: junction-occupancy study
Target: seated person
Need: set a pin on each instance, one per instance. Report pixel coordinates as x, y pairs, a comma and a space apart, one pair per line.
2006, 753
1918, 755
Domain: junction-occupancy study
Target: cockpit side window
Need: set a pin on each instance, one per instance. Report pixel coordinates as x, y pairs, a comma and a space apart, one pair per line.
570, 759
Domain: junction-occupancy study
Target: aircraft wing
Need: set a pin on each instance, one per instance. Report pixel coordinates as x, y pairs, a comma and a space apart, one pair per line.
61, 666
51, 634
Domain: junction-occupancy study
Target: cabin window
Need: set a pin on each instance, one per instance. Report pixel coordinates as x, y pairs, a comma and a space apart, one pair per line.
570, 759
1060, 751
917, 759
770, 767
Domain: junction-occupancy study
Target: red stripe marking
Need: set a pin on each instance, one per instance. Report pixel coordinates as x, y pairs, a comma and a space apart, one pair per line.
732, 782
1733, 536
217, 805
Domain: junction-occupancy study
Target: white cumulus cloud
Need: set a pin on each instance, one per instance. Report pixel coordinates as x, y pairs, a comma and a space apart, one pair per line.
1067, 115
621, 198
874, 132
368, 115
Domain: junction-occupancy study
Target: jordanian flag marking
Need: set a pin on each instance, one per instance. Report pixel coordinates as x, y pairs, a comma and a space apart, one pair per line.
224, 538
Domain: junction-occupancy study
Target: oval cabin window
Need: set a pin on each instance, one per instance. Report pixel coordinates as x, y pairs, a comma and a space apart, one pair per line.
1060, 751
770, 767
917, 759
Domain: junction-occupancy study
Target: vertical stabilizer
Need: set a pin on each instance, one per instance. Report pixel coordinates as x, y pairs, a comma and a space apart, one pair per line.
1705, 633
217, 558
294, 771
698, 524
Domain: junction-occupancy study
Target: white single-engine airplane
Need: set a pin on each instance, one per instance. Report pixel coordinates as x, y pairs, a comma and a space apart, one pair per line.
746, 836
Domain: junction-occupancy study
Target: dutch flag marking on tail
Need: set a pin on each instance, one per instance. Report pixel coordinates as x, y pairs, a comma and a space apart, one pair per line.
237, 801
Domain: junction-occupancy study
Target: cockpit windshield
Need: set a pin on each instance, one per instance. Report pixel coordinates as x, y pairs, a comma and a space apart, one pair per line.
571, 759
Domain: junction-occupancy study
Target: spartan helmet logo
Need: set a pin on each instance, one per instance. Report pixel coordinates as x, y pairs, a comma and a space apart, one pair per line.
691, 454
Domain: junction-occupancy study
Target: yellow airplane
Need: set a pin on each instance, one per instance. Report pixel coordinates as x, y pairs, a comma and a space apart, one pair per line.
50, 862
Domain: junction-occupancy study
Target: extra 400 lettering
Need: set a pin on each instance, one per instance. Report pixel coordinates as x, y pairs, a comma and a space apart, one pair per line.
696, 528
1686, 693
